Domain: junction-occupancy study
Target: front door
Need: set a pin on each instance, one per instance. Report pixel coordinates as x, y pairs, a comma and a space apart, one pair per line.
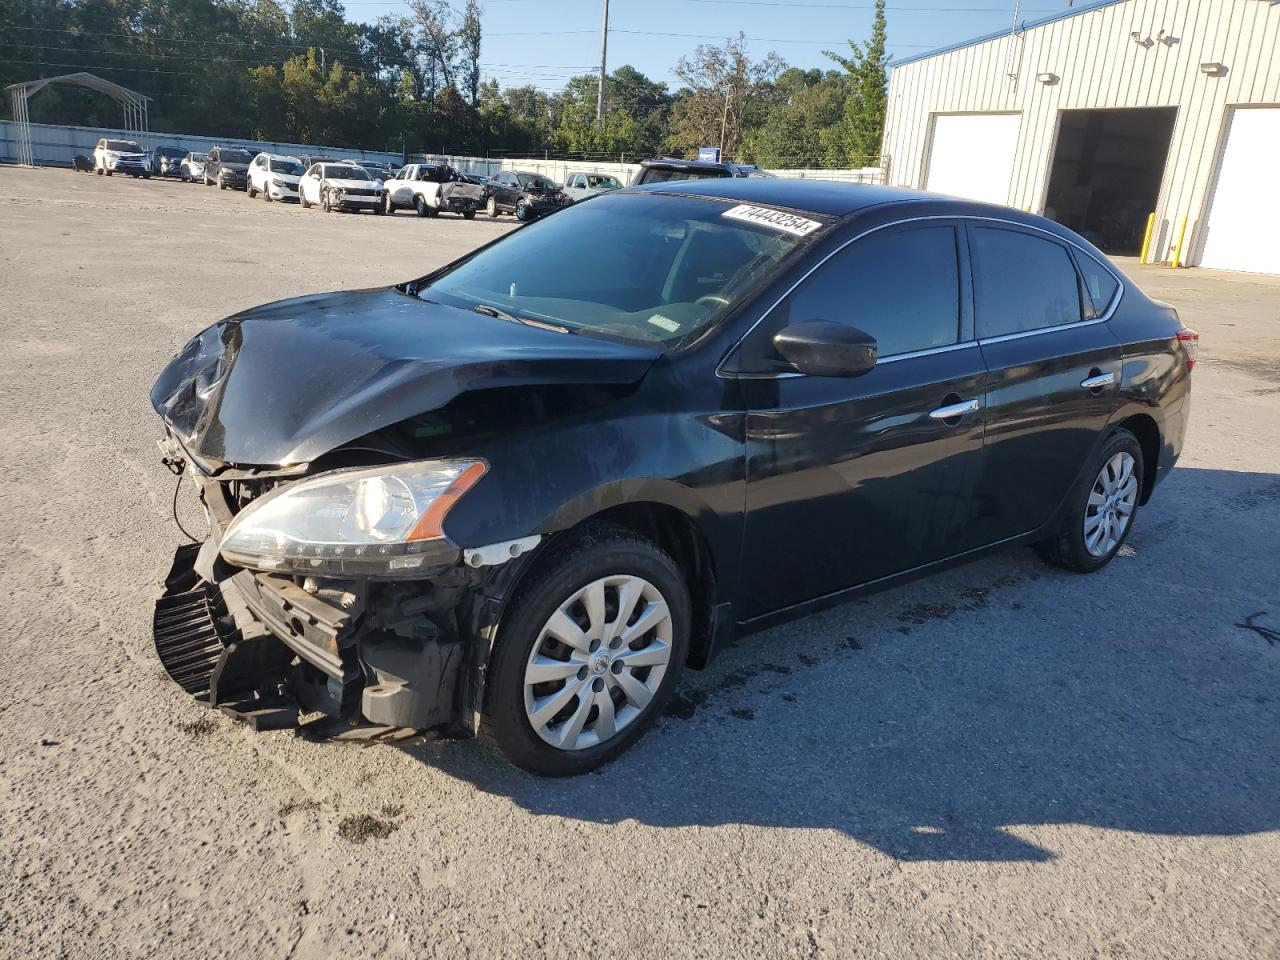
851, 480
1054, 372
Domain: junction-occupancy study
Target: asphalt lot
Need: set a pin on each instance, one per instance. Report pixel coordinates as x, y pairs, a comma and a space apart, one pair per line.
1007, 760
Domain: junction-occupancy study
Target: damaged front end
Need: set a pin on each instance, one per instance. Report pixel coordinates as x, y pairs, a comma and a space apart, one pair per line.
271, 647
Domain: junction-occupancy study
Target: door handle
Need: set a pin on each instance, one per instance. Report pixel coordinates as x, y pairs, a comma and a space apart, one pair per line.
955, 410
1098, 382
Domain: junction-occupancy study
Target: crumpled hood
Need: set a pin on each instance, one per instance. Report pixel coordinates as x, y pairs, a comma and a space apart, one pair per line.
289, 381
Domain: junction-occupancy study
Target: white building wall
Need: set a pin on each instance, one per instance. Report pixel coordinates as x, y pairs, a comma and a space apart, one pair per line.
1100, 66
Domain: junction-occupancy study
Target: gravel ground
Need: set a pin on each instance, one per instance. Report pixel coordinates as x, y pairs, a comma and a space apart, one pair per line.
1005, 760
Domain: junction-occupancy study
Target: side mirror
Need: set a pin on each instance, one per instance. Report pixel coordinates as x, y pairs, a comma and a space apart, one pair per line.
819, 348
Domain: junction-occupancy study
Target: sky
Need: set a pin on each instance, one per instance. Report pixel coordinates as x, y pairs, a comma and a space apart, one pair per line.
544, 42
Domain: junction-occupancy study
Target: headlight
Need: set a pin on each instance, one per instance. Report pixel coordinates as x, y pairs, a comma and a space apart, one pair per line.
362, 522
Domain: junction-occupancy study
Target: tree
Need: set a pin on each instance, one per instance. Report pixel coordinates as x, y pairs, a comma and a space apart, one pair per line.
866, 68
725, 94
809, 105
469, 44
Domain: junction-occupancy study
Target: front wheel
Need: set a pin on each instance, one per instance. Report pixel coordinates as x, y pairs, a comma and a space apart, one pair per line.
325, 203
522, 212
1101, 509
491, 207
248, 189
302, 200
590, 650
387, 205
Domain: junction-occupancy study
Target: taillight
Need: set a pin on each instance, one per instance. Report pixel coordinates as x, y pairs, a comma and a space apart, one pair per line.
1190, 341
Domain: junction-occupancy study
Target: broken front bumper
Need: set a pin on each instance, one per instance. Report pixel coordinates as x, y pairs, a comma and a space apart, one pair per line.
263, 649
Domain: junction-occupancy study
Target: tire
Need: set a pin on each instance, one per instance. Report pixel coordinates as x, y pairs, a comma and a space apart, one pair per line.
207, 181
387, 206
586, 561
302, 200
325, 205
248, 189
420, 206
108, 173
266, 195
146, 176
1111, 486
491, 207
380, 210
468, 214
222, 184
522, 211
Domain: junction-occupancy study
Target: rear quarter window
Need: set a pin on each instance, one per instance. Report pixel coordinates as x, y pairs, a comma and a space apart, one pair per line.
1100, 286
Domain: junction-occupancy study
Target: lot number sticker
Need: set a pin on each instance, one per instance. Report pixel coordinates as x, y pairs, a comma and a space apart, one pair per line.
773, 219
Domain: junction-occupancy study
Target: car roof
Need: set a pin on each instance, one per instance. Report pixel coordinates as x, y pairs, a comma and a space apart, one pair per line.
828, 197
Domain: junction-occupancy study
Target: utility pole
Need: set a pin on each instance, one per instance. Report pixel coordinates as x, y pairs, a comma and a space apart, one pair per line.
604, 49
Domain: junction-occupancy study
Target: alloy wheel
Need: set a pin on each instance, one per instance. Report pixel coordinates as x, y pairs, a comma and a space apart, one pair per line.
1111, 504
598, 662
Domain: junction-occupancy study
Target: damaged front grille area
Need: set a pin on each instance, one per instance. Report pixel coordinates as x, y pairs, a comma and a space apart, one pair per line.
185, 626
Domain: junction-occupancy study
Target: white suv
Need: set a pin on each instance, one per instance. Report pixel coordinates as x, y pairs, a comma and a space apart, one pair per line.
121, 156
275, 177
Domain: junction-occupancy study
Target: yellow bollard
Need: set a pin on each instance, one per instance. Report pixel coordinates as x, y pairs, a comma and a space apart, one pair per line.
1146, 238
1177, 250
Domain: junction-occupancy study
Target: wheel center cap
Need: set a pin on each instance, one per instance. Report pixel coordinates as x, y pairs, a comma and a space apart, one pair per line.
600, 664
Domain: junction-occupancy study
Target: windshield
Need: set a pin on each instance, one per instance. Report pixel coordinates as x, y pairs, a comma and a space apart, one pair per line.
604, 183
235, 156
199, 157
672, 267
535, 181
345, 171
169, 152
123, 146
290, 167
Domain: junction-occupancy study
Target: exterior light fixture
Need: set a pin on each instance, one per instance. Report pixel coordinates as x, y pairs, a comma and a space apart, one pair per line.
1048, 79
1213, 69
1140, 40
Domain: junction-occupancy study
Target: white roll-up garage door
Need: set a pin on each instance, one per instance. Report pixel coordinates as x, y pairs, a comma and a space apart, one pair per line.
972, 155
1241, 229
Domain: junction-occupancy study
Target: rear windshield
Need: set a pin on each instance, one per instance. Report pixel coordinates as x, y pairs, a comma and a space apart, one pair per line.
123, 146
672, 267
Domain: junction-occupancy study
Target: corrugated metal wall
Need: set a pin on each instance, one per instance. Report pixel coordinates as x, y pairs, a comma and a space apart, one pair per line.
1099, 66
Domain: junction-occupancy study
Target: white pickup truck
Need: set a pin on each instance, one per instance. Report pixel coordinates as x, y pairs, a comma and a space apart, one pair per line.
430, 187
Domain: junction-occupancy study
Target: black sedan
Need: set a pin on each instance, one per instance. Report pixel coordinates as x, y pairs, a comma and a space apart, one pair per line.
527, 195
518, 495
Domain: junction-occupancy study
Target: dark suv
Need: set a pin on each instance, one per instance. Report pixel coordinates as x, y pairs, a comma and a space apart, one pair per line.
662, 169
227, 167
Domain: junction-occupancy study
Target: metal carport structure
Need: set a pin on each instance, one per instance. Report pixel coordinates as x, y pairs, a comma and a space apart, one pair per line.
133, 103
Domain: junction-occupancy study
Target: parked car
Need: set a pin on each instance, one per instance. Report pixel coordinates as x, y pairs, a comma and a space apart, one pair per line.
377, 169
227, 167
340, 186
579, 186
430, 188
309, 160
191, 167
166, 160
275, 177
527, 195
664, 169
121, 156
82, 164
757, 398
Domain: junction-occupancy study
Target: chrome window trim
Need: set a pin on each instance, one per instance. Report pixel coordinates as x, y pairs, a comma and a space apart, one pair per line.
978, 341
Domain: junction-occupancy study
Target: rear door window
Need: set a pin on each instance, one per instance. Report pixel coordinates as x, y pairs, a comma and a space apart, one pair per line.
1022, 282
900, 285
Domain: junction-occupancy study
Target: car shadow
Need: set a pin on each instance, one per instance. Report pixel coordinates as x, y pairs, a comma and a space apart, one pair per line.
958, 717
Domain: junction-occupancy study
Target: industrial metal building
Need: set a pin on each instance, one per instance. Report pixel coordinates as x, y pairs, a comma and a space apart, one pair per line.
1105, 114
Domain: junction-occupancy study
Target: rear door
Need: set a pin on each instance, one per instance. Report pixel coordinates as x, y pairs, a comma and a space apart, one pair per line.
1054, 368
854, 479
